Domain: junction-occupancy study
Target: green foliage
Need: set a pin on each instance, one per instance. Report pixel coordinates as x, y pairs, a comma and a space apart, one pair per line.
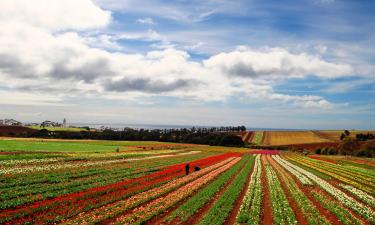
281, 210
258, 137
220, 211
335, 208
186, 210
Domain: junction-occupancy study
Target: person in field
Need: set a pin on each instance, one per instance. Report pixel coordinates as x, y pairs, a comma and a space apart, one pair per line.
197, 168
187, 168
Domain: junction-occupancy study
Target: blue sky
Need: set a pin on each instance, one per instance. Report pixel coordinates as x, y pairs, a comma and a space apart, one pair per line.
282, 64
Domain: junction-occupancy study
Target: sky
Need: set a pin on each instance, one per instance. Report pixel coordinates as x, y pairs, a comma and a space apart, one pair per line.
303, 64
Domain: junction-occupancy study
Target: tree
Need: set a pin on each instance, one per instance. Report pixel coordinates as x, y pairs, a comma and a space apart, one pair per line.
348, 147
367, 149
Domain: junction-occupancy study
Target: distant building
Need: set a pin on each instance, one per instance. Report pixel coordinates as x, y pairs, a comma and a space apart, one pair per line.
49, 123
10, 122
64, 123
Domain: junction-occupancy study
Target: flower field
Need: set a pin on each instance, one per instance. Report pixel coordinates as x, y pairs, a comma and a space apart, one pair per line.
146, 183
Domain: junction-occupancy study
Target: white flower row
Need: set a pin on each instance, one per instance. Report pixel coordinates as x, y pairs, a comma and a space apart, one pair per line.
250, 207
28, 161
360, 194
300, 176
348, 201
39, 168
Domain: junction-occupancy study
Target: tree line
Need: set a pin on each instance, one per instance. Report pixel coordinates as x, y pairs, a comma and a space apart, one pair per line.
219, 136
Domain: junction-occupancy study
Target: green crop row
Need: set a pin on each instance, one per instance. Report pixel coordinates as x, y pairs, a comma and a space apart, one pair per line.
190, 207
221, 209
258, 137
281, 210
250, 209
335, 208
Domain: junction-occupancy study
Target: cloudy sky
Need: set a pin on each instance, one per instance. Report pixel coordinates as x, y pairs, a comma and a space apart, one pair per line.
260, 63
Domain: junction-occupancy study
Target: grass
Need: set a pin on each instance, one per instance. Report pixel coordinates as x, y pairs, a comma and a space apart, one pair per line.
71, 129
66, 146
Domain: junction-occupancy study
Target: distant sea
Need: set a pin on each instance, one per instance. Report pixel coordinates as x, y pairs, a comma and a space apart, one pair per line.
163, 126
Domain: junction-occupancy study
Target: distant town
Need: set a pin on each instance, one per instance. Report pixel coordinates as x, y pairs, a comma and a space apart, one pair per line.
46, 123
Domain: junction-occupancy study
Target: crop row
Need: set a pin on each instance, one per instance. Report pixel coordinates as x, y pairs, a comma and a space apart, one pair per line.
281, 210
69, 174
258, 137
352, 179
368, 199
309, 211
190, 207
343, 198
52, 185
249, 212
94, 197
72, 165
144, 213
123, 204
223, 206
302, 178
334, 207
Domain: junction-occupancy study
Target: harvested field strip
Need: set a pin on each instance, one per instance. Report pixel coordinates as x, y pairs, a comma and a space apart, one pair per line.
248, 136
291, 137
189, 208
118, 207
142, 214
221, 209
95, 197
309, 211
281, 210
258, 137
364, 184
250, 209
343, 198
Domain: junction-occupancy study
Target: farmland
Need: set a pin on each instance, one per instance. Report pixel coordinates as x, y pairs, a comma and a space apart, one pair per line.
115, 182
292, 137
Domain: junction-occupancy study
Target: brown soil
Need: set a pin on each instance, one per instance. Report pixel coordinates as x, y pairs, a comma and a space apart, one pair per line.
232, 216
247, 137
266, 216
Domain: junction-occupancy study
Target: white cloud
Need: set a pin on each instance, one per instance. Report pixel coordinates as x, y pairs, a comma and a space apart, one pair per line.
147, 20
275, 63
31, 50
55, 14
